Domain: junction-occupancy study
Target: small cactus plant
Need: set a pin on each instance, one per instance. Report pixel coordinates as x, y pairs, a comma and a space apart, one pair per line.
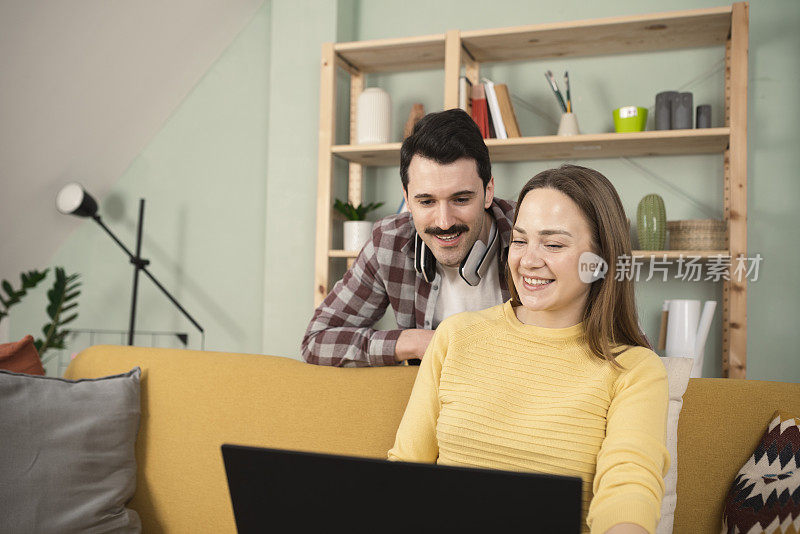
651, 223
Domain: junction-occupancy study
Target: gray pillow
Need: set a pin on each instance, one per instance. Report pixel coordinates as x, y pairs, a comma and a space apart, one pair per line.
67, 453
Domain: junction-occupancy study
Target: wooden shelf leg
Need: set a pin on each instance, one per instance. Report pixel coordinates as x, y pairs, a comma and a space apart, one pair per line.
327, 125
735, 197
452, 68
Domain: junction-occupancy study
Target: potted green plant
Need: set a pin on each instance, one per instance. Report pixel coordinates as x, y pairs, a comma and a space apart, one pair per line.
356, 228
60, 302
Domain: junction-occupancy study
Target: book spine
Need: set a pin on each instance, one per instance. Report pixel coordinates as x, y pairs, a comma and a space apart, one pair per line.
480, 112
494, 108
507, 110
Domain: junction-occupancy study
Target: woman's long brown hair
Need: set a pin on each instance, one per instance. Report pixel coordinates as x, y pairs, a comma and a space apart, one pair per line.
610, 318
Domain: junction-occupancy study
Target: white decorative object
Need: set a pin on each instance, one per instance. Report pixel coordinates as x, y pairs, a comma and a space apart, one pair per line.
687, 331
356, 234
678, 371
568, 125
374, 117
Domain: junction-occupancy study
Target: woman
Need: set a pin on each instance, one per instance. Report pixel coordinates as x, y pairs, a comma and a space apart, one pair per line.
559, 379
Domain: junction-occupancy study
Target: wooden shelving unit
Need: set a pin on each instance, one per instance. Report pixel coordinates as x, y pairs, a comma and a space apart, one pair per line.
607, 145
726, 27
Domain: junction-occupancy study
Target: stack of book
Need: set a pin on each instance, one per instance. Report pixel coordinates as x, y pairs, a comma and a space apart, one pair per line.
490, 106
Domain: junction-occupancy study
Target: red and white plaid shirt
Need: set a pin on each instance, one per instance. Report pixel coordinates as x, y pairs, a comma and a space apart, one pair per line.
341, 331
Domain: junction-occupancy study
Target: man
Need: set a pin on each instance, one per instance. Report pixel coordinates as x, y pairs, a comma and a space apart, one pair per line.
446, 256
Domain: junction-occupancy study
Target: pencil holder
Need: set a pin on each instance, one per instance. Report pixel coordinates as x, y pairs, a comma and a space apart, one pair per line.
568, 124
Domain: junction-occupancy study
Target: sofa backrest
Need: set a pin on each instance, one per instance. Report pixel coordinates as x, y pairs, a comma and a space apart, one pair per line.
193, 402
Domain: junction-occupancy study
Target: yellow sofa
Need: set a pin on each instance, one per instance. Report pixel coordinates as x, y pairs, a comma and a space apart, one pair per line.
193, 402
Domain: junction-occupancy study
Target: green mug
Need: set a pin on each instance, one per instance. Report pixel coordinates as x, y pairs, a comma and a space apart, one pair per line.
630, 119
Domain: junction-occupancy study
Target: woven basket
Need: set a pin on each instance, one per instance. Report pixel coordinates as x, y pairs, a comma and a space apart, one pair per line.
696, 234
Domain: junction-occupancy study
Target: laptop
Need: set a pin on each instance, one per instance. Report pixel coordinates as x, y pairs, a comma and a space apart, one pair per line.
310, 492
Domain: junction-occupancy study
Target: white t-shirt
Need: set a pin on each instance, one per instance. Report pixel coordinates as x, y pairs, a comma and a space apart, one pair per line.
456, 295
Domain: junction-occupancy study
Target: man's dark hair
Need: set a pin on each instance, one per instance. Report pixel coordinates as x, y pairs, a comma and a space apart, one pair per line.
445, 137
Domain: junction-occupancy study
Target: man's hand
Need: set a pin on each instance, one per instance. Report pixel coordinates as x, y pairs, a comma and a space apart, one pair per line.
412, 343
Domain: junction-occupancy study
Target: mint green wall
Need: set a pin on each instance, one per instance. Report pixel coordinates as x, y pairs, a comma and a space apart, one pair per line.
203, 179
231, 179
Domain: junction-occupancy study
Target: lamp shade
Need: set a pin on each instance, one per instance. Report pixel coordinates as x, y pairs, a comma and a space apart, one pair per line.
74, 200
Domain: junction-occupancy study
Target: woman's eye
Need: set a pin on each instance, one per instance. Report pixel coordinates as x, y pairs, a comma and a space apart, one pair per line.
517, 242
554, 246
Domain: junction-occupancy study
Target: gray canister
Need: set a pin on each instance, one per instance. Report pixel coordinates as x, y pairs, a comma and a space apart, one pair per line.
703, 116
664, 109
682, 109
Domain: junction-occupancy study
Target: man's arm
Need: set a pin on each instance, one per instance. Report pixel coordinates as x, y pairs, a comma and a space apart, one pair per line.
341, 331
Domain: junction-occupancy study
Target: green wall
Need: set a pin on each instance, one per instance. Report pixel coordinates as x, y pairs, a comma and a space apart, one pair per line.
231, 179
203, 179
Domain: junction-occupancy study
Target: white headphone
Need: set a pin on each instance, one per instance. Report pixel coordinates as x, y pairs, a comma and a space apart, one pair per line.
472, 267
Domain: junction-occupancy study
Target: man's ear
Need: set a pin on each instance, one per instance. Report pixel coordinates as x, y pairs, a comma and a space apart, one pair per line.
489, 194
405, 196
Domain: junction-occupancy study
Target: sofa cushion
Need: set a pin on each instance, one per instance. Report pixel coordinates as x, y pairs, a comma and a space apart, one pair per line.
765, 495
67, 453
678, 373
721, 423
21, 357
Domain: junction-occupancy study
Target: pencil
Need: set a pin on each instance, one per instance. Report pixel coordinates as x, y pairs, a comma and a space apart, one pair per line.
554, 86
569, 99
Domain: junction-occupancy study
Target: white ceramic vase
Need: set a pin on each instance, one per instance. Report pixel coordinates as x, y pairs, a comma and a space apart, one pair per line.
374, 117
356, 234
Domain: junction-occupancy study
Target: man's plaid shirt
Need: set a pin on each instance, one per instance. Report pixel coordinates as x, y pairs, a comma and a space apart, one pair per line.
340, 332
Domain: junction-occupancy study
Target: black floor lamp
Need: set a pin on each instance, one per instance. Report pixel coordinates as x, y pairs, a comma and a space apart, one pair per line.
73, 199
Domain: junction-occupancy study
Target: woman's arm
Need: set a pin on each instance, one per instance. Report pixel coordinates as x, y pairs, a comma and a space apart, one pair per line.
631, 464
416, 436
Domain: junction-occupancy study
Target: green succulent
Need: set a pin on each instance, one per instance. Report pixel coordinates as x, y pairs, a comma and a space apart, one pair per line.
60, 300
355, 213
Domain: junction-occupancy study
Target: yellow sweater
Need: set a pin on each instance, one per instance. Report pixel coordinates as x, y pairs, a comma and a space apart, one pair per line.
493, 392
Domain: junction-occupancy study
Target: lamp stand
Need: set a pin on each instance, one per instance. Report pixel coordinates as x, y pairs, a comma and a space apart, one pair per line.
140, 265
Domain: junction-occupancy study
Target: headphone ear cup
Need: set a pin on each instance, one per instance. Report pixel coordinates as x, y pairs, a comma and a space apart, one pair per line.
424, 260
429, 266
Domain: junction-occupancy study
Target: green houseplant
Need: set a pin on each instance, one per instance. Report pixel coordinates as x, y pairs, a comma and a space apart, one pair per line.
61, 304
356, 228
355, 213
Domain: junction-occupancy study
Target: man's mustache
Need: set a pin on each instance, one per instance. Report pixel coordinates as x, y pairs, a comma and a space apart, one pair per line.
455, 229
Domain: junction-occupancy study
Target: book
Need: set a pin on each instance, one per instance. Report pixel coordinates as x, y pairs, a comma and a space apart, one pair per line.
494, 109
465, 94
507, 110
480, 111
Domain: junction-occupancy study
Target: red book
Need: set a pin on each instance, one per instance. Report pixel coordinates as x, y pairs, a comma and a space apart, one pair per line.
480, 110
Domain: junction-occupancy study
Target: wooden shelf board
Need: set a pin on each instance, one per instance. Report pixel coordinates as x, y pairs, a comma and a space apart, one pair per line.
551, 147
614, 35
388, 55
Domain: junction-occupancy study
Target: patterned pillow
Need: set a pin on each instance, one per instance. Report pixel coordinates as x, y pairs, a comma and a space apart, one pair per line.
765, 495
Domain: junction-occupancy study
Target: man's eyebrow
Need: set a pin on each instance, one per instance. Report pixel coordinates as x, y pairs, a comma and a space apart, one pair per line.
464, 193
553, 231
